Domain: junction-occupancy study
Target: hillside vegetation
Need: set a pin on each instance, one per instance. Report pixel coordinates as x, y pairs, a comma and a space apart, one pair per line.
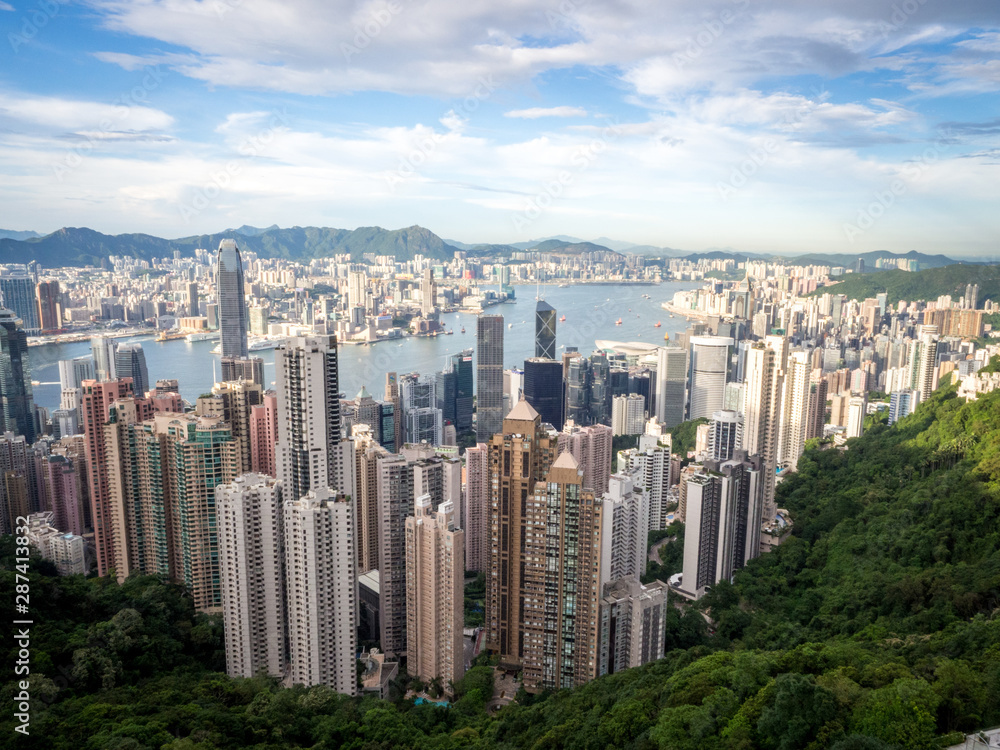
875, 626
928, 284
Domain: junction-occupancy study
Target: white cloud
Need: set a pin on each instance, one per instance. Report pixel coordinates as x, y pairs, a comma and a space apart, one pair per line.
5, 6
60, 115
533, 113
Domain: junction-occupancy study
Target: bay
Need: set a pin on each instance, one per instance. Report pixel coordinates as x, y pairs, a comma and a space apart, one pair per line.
591, 312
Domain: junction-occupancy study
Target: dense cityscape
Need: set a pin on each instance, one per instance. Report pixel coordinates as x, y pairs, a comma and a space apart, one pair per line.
331, 530
549, 375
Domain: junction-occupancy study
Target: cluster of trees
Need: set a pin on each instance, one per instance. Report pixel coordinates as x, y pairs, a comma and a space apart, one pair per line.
930, 283
875, 626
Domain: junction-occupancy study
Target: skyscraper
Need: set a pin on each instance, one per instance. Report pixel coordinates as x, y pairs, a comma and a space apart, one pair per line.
435, 574
72, 372
367, 454
321, 590
625, 530
543, 389
762, 410
489, 371
560, 599
649, 466
97, 400
794, 410
725, 434
250, 369
17, 405
722, 521
545, 330
232, 300
130, 362
49, 307
311, 453
477, 513
591, 447
252, 569
628, 414
519, 457
18, 293
103, 350
709, 372
264, 435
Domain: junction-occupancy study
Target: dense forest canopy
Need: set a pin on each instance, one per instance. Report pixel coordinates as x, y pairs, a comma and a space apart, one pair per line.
875, 626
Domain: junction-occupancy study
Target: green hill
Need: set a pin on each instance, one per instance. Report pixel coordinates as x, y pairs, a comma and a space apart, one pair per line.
875, 626
81, 246
928, 284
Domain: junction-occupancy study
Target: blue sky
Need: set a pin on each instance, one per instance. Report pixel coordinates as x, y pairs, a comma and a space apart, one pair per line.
842, 126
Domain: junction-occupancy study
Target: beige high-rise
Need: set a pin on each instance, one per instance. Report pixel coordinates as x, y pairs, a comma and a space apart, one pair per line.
562, 580
477, 515
435, 571
519, 456
762, 411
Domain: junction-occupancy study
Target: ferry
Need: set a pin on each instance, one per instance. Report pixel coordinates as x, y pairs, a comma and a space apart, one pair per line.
463, 329
618, 322
256, 345
191, 337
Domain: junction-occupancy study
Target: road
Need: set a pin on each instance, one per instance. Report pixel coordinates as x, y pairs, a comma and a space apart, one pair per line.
654, 551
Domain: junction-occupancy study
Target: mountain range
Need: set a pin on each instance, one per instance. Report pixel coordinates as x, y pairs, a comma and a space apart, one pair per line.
72, 246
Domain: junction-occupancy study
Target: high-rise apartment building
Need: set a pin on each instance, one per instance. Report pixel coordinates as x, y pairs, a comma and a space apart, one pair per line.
250, 368
403, 477
545, 330
902, 404
710, 363
237, 399
560, 598
519, 456
311, 452
477, 511
17, 405
321, 590
722, 521
424, 421
489, 373
725, 434
367, 453
232, 300
856, 416
794, 417
628, 414
625, 530
762, 411
97, 400
392, 396
591, 447
923, 364
649, 466
817, 409
252, 572
264, 435
633, 624
72, 372
435, 575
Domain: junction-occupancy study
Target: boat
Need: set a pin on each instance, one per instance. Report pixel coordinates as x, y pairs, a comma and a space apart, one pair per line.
671, 315
562, 319
207, 336
510, 325
657, 324
256, 345
618, 322
463, 329
666, 337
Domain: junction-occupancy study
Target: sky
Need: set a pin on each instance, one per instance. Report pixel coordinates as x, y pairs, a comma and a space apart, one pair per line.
788, 126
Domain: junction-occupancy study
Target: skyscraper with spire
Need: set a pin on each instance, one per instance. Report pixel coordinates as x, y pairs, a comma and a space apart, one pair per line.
545, 330
232, 303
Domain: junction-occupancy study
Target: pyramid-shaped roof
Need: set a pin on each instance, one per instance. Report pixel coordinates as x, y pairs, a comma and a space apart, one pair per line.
566, 461
522, 412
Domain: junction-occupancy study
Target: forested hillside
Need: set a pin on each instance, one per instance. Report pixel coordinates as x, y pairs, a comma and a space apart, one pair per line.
928, 284
877, 625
